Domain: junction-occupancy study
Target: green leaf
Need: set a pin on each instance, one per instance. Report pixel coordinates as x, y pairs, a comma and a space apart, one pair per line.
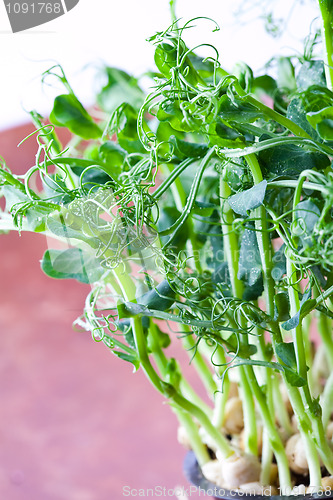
286, 352
221, 135
233, 345
306, 305
13, 197
112, 154
221, 274
130, 358
173, 374
56, 189
165, 131
171, 112
311, 73
238, 111
296, 112
36, 212
286, 74
185, 149
203, 208
68, 112
244, 75
304, 107
293, 378
168, 216
322, 121
37, 217
204, 67
160, 298
163, 339
249, 265
165, 57
306, 217
254, 291
281, 302
72, 263
280, 263
112, 157
127, 134
59, 225
129, 337
92, 176
120, 87
264, 84
290, 160
241, 203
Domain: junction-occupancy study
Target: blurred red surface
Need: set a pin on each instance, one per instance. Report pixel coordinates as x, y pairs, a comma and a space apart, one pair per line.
75, 422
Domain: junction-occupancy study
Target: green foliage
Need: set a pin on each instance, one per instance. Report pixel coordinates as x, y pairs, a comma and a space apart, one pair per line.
68, 112
306, 304
311, 73
289, 160
245, 201
170, 206
249, 258
120, 87
322, 121
73, 263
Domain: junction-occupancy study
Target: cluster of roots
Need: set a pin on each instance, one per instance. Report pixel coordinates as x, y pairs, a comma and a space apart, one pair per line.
243, 471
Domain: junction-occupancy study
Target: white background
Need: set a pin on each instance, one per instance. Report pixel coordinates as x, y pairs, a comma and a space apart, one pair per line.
115, 32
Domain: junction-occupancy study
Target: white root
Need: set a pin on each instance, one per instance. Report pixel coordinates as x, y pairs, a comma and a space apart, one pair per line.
239, 469
301, 489
207, 440
233, 390
274, 475
182, 437
296, 455
212, 471
294, 424
327, 482
256, 488
284, 435
233, 417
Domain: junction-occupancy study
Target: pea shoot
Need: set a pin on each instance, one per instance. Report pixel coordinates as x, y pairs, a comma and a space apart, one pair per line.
202, 216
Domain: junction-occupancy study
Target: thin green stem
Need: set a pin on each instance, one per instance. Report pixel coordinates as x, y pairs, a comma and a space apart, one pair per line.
250, 419
199, 364
166, 389
280, 407
297, 332
172, 4
271, 113
162, 361
221, 397
275, 440
230, 243
266, 252
327, 400
325, 7
192, 431
179, 197
324, 327
294, 184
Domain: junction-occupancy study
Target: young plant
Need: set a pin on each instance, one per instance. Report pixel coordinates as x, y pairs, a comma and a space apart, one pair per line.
201, 214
